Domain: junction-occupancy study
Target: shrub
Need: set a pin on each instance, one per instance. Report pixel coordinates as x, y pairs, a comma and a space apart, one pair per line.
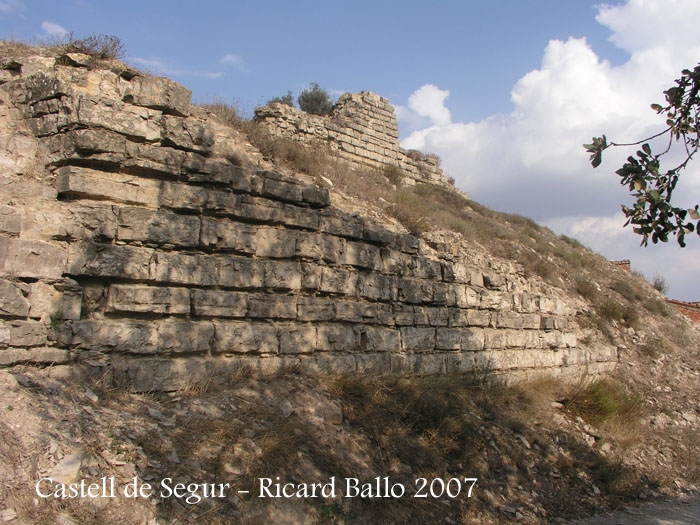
288, 100
97, 46
315, 100
393, 173
659, 283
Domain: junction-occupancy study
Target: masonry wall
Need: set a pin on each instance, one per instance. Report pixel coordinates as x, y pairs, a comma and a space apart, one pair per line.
128, 243
362, 129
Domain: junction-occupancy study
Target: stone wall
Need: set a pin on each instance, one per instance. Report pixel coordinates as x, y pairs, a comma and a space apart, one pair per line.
361, 129
128, 243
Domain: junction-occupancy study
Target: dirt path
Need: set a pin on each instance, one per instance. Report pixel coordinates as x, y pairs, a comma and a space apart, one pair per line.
684, 511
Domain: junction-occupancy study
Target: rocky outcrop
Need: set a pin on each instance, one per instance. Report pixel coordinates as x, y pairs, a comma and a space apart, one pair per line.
362, 129
129, 242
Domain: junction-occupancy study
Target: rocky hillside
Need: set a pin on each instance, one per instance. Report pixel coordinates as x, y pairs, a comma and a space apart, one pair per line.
218, 314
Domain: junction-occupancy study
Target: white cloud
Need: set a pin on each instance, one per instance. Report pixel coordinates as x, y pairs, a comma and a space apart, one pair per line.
52, 29
232, 60
531, 160
10, 6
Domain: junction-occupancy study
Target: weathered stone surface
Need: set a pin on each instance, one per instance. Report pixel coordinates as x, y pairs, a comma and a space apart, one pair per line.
208, 263
14, 302
219, 303
101, 260
22, 333
27, 258
158, 93
124, 336
245, 337
148, 299
72, 181
10, 221
297, 339
157, 227
186, 336
186, 134
272, 306
58, 301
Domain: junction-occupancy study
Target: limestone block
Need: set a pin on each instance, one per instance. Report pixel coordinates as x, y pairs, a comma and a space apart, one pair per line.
429, 364
158, 93
187, 134
272, 306
478, 318
36, 355
307, 218
159, 227
245, 337
521, 338
431, 316
417, 339
58, 301
378, 287
476, 278
404, 314
152, 159
185, 336
424, 268
183, 197
148, 299
279, 187
95, 146
123, 336
316, 197
95, 112
517, 321
361, 255
297, 339
22, 333
219, 303
311, 275
317, 246
406, 243
315, 309
85, 222
73, 181
223, 234
341, 224
336, 338
214, 171
444, 294
379, 339
338, 281
493, 300
276, 243
415, 291
14, 302
282, 275
100, 260
355, 312
10, 221
36, 87
260, 210
35, 259
494, 281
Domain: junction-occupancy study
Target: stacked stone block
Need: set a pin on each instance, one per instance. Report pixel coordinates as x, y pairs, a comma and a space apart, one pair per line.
362, 129
142, 251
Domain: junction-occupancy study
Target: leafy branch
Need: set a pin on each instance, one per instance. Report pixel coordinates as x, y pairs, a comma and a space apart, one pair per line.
652, 215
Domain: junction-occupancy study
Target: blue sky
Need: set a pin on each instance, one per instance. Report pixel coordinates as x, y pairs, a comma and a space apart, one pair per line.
504, 91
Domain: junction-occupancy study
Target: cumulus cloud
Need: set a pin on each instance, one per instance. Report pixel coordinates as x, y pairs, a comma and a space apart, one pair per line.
531, 161
52, 29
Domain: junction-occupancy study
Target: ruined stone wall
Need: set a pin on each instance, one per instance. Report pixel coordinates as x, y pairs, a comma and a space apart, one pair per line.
361, 129
130, 244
